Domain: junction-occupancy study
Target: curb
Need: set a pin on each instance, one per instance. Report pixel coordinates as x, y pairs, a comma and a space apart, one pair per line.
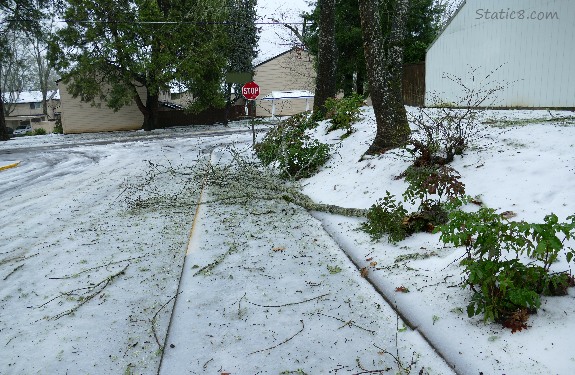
179, 290
9, 166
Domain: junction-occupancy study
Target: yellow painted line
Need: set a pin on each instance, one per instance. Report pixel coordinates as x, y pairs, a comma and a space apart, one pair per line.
13, 165
198, 204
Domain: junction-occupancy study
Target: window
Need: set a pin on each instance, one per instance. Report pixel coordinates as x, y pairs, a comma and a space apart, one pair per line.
36, 105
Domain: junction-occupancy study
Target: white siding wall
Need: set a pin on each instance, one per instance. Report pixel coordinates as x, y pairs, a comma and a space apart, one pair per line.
288, 72
533, 59
81, 117
23, 109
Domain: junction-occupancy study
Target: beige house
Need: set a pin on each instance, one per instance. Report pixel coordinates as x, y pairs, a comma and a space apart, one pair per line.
81, 117
280, 77
26, 108
291, 71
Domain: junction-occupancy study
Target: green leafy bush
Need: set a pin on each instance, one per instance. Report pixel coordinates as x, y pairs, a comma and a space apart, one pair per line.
343, 112
432, 185
386, 217
430, 188
39, 131
297, 155
503, 288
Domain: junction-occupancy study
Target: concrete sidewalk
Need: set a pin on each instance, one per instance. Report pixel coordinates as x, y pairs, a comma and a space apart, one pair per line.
266, 290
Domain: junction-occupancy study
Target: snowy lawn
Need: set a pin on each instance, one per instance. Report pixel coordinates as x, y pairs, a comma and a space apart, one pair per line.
525, 163
88, 284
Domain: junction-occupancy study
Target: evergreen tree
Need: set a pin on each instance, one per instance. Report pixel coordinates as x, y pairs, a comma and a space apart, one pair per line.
422, 25
110, 48
243, 37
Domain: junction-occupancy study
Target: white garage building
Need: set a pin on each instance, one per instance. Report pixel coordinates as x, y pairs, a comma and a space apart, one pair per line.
525, 46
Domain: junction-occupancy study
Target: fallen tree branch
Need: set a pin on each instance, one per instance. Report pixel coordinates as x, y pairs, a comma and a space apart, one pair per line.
208, 268
242, 180
283, 342
91, 292
259, 183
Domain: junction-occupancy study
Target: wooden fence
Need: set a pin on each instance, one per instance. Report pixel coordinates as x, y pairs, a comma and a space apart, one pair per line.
414, 84
413, 95
208, 117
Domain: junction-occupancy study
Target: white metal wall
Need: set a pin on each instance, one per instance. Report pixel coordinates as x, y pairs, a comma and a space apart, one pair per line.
531, 58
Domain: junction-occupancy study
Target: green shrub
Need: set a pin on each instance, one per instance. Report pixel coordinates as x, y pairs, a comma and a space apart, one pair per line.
297, 155
430, 188
39, 131
503, 288
432, 185
343, 112
386, 217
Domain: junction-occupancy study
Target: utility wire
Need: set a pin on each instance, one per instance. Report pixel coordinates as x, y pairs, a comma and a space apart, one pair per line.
159, 22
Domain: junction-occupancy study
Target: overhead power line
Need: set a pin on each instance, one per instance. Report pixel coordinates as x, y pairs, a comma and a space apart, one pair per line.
159, 22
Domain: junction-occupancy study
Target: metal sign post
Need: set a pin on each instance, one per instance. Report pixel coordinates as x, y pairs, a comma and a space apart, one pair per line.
250, 91
235, 78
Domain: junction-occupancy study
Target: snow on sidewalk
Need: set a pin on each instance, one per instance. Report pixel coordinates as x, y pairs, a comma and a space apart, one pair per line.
265, 290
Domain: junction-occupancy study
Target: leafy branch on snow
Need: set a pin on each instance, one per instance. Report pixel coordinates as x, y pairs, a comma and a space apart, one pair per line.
83, 295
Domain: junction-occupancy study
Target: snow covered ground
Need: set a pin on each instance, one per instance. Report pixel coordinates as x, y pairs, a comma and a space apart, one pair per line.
89, 284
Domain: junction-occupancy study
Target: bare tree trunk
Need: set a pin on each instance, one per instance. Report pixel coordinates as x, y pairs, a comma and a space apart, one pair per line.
3, 133
384, 70
150, 112
327, 56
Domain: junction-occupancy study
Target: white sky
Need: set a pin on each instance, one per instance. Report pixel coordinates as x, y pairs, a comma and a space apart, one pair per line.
274, 39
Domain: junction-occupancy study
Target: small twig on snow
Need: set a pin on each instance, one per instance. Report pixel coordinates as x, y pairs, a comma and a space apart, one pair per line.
288, 304
283, 342
348, 323
206, 364
366, 371
14, 270
154, 321
17, 259
436, 284
94, 268
94, 290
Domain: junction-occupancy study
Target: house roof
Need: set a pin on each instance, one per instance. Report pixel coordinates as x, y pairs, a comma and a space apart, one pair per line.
276, 56
28, 96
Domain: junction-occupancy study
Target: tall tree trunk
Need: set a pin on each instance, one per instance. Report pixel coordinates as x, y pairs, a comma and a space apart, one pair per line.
3, 132
384, 63
325, 86
151, 116
149, 110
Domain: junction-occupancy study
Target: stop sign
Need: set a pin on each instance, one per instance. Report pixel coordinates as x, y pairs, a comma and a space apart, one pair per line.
250, 90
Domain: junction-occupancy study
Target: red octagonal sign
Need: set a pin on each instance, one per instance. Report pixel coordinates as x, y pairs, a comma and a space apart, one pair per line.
251, 90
